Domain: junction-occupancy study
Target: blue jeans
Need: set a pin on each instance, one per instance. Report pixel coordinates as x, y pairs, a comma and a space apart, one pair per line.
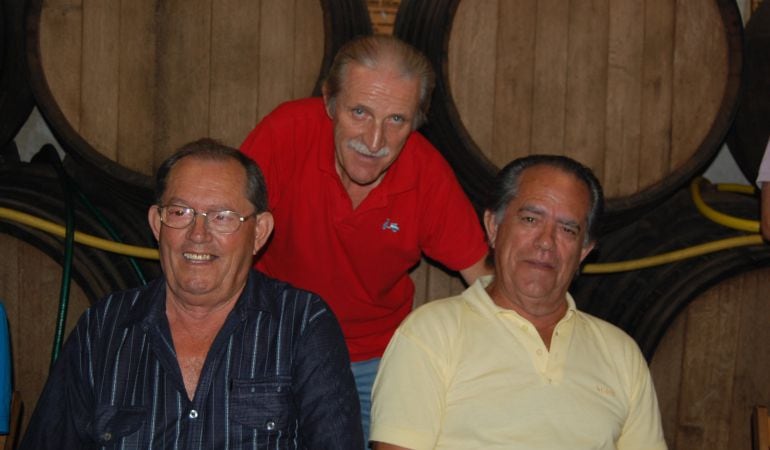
364, 373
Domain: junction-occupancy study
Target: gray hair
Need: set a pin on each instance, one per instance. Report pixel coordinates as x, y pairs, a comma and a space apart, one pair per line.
386, 50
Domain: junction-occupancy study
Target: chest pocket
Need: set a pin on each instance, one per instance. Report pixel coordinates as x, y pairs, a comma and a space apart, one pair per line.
112, 423
266, 404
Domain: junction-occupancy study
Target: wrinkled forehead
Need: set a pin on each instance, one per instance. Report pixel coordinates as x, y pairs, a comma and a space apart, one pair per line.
196, 176
548, 185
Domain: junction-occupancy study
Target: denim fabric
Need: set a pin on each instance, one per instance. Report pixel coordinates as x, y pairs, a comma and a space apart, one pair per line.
364, 373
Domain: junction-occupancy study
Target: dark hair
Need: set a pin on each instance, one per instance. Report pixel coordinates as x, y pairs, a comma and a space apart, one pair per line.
387, 50
256, 190
506, 186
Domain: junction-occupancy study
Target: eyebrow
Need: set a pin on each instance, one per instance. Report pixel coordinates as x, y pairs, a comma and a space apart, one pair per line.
540, 212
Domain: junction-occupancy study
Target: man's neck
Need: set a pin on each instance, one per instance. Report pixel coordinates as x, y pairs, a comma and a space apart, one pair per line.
193, 330
543, 315
358, 193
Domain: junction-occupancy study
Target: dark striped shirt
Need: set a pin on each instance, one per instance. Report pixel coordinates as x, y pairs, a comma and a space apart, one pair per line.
277, 376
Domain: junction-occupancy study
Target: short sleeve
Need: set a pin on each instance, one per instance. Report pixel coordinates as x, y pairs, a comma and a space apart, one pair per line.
408, 397
642, 429
451, 232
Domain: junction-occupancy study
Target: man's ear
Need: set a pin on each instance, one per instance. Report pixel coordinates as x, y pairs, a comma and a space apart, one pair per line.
263, 227
327, 99
153, 217
490, 224
586, 250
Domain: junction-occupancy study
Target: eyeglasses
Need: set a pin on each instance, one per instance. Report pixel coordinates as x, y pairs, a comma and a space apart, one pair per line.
222, 222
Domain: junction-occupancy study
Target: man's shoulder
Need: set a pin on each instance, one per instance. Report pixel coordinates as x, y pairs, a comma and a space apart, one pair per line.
444, 314
299, 109
423, 164
611, 334
276, 295
421, 149
124, 307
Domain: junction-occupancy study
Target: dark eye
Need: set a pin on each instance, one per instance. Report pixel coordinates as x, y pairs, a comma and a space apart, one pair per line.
223, 216
177, 211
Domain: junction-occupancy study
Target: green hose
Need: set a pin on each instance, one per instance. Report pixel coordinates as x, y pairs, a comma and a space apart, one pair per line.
48, 153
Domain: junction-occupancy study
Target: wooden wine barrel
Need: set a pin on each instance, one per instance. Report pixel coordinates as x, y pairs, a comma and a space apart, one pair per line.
31, 269
711, 366
122, 85
642, 92
750, 132
700, 320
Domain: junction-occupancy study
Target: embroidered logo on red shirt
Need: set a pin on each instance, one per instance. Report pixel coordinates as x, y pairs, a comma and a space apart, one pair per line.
388, 225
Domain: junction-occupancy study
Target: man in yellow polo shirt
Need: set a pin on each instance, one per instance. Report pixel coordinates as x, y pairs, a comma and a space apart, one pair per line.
511, 363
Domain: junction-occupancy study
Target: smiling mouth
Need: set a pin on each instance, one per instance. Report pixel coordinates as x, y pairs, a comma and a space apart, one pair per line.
198, 256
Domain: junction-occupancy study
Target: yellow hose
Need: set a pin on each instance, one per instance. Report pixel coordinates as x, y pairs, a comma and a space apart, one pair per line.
665, 258
752, 226
81, 238
697, 250
596, 268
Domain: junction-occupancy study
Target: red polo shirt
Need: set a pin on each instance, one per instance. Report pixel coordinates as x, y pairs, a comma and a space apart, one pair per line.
357, 260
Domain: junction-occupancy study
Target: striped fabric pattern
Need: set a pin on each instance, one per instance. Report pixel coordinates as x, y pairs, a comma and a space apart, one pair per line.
277, 376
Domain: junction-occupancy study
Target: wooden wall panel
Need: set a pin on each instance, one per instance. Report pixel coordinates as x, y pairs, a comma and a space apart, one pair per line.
550, 76
624, 55
514, 80
587, 66
474, 80
631, 88
29, 288
308, 44
184, 65
711, 366
657, 91
234, 87
100, 67
61, 22
700, 68
139, 80
137, 92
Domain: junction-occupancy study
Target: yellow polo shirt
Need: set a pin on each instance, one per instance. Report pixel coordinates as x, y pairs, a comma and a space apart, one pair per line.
463, 373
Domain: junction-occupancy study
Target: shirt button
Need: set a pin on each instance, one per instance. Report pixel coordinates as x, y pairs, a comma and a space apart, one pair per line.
270, 426
106, 436
539, 352
193, 414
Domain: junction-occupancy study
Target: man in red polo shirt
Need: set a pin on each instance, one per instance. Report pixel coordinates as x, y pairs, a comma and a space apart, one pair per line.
358, 195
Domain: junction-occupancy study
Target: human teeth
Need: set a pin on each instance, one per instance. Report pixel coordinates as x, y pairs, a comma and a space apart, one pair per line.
198, 256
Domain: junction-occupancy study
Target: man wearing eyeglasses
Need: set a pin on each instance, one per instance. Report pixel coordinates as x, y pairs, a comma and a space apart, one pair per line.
213, 354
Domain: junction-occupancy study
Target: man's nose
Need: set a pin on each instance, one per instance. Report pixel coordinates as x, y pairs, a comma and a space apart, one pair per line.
198, 227
375, 137
545, 239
